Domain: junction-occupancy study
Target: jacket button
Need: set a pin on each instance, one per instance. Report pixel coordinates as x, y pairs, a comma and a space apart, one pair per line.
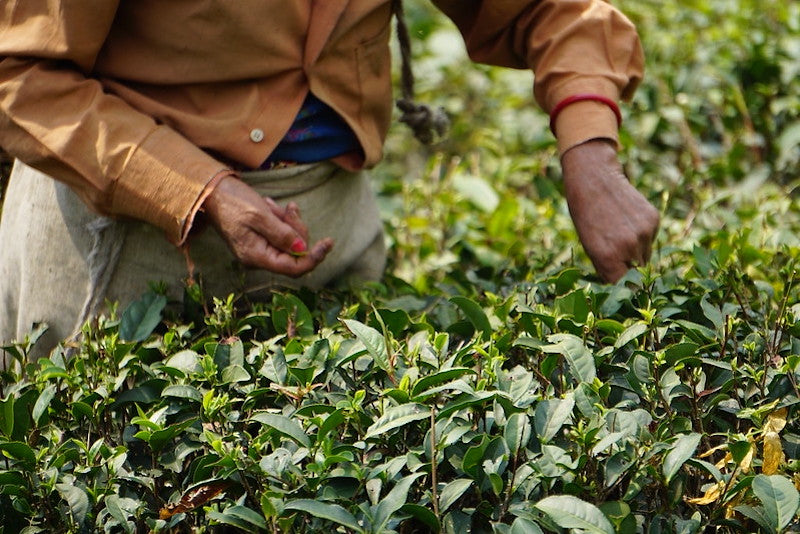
256, 135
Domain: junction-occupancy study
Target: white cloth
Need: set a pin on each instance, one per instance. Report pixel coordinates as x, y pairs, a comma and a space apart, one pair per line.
60, 263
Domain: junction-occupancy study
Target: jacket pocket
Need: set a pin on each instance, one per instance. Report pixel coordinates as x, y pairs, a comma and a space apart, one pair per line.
375, 80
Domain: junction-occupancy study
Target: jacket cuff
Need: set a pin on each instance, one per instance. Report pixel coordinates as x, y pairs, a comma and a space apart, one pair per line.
582, 121
165, 182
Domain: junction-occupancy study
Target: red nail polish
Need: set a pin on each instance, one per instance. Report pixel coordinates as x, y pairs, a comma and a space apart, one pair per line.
298, 246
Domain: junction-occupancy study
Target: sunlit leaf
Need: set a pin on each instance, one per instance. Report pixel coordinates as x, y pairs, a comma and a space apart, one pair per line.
551, 415
776, 420
284, 425
773, 453
779, 498
373, 341
331, 512
682, 450
711, 495
568, 511
396, 417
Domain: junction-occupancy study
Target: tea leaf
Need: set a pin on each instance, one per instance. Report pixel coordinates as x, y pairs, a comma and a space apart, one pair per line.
581, 360
551, 415
773, 453
77, 500
331, 512
568, 511
779, 497
475, 314
452, 492
373, 341
141, 317
681, 450
284, 425
43, 402
396, 417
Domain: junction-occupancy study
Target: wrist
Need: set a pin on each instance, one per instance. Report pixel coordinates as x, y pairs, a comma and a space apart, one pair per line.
206, 204
591, 160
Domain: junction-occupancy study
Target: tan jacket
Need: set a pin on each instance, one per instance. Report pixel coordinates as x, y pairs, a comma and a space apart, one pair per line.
137, 104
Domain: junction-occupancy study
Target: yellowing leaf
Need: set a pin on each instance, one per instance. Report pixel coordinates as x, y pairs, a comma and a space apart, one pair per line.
747, 461
712, 495
796, 480
722, 463
730, 508
712, 450
776, 421
773, 453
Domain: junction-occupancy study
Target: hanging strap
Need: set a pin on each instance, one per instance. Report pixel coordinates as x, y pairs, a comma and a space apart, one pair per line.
428, 124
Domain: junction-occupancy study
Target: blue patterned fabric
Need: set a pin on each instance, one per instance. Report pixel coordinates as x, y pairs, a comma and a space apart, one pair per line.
317, 134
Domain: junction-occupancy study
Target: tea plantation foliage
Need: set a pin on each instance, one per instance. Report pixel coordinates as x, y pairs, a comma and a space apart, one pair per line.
491, 383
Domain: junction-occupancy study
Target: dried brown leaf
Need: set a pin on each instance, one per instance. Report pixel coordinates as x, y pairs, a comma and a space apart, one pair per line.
193, 498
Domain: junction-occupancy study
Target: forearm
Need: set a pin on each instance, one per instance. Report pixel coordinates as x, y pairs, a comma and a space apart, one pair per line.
120, 161
573, 47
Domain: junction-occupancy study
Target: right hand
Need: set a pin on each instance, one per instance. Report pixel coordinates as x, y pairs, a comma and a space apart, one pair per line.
260, 233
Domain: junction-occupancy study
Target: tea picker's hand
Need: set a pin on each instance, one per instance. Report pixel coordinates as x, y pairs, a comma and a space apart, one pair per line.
615, 223
260, 233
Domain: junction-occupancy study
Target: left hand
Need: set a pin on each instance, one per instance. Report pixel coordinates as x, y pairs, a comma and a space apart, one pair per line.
615, 223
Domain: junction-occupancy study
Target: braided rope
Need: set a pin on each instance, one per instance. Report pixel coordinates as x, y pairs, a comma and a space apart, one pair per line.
428, 124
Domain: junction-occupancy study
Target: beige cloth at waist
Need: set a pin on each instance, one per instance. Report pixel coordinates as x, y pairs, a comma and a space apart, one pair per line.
60, 262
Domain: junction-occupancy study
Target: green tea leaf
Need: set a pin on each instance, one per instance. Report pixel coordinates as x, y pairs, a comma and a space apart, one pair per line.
141, 317
475, 314
7, 416
373, 341
397, 416
452, 492
422, 514
568, 511
630, 333
19, 451
682, 450
183, 392
331, 512
757, 515
235, 373
393, 501
246, 514
550, 415
517, 432
77, 499
332, 421
290, 315
275, 368
579, 357
427, 382
522, 525
284, 425
779, 497
186, 361
43, 402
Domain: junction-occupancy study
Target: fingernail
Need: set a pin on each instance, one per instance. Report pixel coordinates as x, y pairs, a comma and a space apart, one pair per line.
298, 246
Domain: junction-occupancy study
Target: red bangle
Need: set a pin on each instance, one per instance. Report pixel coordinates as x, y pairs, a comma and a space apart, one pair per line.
580, 98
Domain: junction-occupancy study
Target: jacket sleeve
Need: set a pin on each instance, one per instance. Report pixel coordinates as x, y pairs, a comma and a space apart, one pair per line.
572, 46
55, 117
